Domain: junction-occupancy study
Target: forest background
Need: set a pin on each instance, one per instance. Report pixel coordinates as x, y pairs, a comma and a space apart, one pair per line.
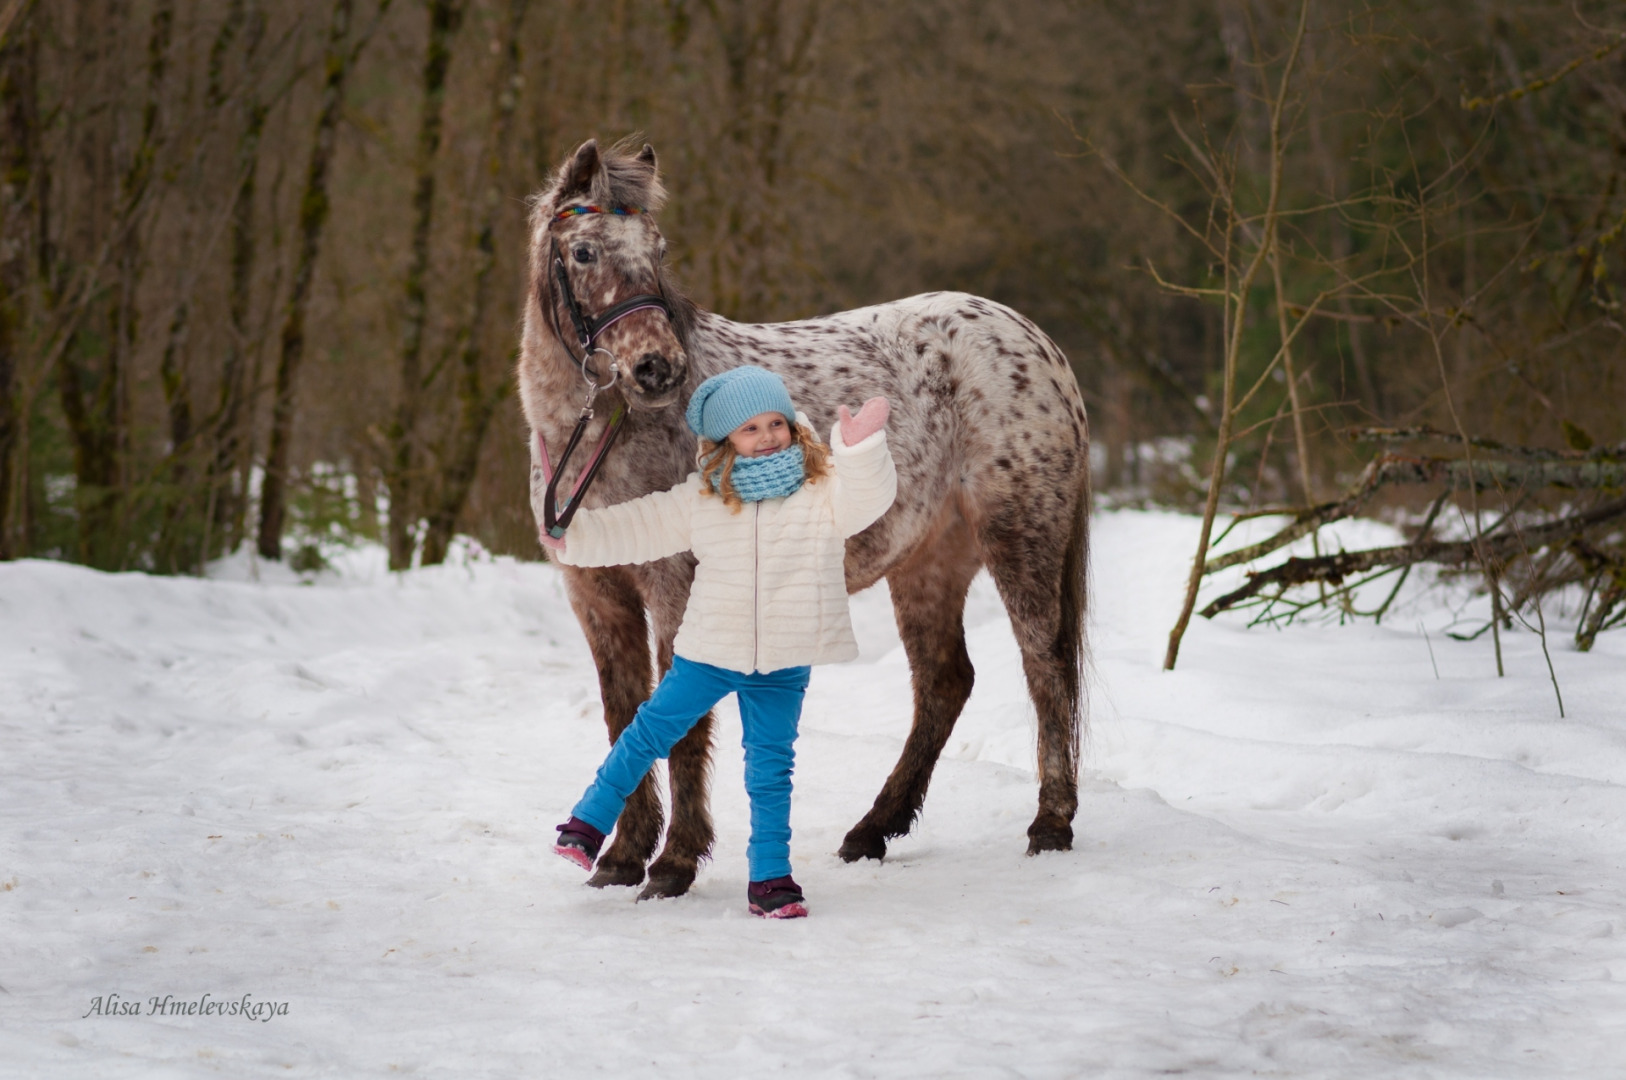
261, 264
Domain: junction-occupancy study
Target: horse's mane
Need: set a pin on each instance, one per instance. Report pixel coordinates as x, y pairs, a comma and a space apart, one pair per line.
632, 181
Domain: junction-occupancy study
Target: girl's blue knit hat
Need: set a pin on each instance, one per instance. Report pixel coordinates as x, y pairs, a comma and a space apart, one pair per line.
724, 402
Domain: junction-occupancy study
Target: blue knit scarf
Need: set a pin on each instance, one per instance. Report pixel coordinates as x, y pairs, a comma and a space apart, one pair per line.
771, 477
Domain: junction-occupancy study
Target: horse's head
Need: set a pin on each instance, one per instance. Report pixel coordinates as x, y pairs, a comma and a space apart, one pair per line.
598, 272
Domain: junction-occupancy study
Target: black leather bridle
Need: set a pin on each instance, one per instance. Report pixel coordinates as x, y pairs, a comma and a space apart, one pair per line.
556, 517
590, 327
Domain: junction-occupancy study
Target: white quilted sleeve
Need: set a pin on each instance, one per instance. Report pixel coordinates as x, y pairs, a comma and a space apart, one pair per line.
866, 481
638, 531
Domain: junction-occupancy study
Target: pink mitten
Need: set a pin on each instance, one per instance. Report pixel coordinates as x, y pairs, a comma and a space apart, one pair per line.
550, 543
870, 419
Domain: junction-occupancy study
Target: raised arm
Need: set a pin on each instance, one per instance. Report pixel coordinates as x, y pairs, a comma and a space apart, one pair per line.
866, 480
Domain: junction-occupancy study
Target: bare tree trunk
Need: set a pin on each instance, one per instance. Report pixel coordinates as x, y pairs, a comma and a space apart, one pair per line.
179, 538
1236, 301
1301, 444
254, 345
1118, 390
1340, 242
19, 145
475, 403
401, 471
340, 61
228, 431
131, 264
90, 136
96, 401
761, 77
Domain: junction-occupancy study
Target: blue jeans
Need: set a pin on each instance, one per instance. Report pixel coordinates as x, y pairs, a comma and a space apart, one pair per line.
770, 707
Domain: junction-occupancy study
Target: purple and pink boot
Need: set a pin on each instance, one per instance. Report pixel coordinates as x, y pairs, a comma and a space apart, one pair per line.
579, 842
778, 898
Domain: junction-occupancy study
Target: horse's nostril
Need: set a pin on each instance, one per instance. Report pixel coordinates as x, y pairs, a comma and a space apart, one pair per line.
652, 371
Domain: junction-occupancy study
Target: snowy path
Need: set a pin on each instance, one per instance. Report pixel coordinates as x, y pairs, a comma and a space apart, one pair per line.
1301, 854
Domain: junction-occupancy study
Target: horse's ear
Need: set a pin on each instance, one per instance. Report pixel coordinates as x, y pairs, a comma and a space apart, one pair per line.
583, 170
647, 156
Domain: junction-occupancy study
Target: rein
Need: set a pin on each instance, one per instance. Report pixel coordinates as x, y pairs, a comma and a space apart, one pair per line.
556, 516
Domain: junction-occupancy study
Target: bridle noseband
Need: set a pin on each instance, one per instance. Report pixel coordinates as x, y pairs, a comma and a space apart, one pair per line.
590, 327
556, 517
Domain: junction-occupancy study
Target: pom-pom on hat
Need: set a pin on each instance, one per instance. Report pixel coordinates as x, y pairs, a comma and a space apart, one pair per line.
724, 402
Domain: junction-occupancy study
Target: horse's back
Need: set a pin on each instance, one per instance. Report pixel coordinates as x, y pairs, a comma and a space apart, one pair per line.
993, 383
987, 364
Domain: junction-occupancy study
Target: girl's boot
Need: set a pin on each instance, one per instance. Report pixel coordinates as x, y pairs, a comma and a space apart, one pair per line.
579, 842
779, 898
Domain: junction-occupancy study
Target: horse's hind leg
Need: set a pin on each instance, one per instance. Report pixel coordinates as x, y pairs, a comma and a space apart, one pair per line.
611, 612
928, 599
1042, 584
689, 837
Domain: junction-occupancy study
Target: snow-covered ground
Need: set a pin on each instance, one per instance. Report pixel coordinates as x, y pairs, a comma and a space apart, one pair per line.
1304, 853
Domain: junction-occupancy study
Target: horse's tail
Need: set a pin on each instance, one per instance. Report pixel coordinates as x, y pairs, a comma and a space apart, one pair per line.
1072, 645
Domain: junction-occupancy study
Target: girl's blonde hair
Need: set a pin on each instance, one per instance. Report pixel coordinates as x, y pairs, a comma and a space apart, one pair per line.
717, 464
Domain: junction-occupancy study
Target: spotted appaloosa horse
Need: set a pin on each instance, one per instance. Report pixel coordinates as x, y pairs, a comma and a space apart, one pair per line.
992, 450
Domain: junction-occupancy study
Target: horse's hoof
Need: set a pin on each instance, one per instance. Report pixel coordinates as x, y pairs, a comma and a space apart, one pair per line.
1049, 838
862, 843
614, 873
667, 881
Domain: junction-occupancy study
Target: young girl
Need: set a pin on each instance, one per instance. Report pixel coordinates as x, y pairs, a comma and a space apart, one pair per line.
767, 516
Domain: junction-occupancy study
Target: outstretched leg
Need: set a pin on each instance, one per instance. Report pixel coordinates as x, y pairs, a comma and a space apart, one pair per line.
928, 600
687, 692
611, 613
689, 836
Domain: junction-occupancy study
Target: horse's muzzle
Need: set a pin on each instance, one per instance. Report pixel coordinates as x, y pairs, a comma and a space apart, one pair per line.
655, 374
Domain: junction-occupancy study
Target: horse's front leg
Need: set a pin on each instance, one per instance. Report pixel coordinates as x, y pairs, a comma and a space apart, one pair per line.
689, 838
611, 612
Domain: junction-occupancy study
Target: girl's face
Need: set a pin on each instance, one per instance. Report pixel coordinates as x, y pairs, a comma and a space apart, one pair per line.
763, 434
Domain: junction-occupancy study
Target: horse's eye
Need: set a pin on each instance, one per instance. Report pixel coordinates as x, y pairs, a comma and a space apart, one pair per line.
584, 254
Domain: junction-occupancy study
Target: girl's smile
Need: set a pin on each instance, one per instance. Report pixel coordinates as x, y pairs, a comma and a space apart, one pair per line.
763, 434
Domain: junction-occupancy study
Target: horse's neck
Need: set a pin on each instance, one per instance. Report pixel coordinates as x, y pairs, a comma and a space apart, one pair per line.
561, 388
717, 344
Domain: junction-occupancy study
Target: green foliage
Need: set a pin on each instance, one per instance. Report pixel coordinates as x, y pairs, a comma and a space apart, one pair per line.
308, 559
326, 505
